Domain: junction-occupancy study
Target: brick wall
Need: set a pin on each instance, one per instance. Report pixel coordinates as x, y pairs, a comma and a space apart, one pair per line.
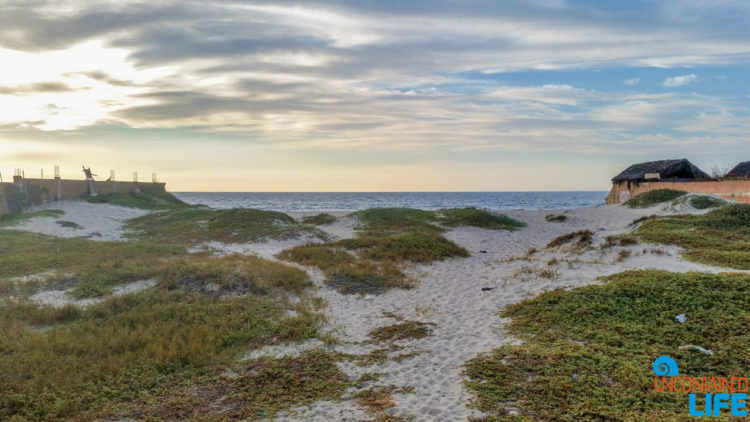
734, 189
72, 189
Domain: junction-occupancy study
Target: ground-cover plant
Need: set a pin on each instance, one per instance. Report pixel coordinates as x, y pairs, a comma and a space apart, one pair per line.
703, 202
402, 330
388, 238
319, 219
588, 352
580, 239
478, 218
131, 346
261, 388
92, 266
142, 200
196, 224
17, 217
653, 197
719, 237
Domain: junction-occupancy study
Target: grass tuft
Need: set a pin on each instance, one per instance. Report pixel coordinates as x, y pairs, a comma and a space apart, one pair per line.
478, 218
581, 238
15, 218
320, 219
402, 330
142, 200
703, 202
653, 197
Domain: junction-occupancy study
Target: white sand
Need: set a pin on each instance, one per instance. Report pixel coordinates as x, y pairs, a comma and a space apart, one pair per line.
95, 221
449, 295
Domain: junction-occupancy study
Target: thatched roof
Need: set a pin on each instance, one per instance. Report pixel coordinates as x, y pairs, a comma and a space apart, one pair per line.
740, 170
667, 169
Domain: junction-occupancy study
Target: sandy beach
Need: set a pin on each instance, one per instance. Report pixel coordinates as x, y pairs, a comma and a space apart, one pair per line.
460, 297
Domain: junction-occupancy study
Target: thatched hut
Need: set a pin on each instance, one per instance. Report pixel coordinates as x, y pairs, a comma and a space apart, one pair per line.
740, 171
679, 170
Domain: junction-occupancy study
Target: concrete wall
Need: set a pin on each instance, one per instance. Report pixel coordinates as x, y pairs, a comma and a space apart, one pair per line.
65, 189
734, 189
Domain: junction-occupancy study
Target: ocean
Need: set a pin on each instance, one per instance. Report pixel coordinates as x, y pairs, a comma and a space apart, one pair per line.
353, 201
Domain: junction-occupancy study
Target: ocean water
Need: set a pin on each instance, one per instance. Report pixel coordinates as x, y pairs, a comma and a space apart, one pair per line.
353, 201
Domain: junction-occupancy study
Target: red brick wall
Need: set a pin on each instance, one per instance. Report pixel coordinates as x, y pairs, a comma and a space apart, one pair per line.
72, 189
737, 189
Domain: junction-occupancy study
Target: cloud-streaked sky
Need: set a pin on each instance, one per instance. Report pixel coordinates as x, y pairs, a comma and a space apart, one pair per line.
372, 95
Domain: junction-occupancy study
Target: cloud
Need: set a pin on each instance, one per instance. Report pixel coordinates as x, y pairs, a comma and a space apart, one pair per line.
631, 82
679, 80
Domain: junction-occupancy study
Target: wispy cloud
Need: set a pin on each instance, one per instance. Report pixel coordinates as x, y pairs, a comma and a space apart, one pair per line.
632, 82
679, 80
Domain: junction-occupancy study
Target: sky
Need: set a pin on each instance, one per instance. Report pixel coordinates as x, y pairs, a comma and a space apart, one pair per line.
419, 95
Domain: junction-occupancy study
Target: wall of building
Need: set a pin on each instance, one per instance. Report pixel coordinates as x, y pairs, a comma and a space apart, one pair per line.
65, 189
734, 189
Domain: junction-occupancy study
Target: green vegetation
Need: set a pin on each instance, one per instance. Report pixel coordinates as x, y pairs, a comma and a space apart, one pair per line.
719, 237
388, 238
703, 202
197, 224
478, 218
654, 197
559, 218
69, 224
401, 331
142, 200
69, 362
261, 389
319, 219
580, 239
607, 336
15, 218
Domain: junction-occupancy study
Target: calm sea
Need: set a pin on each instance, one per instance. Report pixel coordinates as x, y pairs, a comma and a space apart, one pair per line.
352, 201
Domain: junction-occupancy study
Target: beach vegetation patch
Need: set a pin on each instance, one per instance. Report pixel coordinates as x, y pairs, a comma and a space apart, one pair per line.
141, 200
402, 330
719, 237
580, 239
478, 218
15, 218
259, 390
198, 224
320, 219
703, 202
370, 262
130, 347
588, 352
653, 197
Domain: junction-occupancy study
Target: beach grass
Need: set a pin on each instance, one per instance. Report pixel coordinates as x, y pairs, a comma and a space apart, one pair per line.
130, 347
197, 224
320, 219
653, 197
402, 330
478, 218
260, 389
118, 355
719, 237
371, 262
587, 352
703, 202
15, 218
142, 200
